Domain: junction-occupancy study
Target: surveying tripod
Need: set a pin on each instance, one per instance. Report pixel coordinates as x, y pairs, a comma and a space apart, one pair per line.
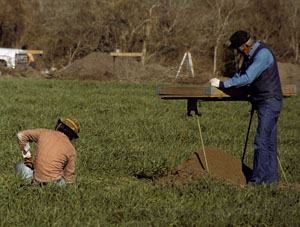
188, 55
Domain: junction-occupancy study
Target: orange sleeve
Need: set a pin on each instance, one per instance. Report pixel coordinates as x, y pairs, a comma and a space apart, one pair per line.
28, 136
69, 170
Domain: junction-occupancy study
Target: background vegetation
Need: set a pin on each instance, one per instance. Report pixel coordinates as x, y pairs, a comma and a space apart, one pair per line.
127, 140
162, 29
128, 136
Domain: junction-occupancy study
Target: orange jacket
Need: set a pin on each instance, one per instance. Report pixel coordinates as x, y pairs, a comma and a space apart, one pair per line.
55, 156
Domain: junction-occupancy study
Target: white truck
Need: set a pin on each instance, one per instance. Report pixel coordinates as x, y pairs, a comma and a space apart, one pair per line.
14, 58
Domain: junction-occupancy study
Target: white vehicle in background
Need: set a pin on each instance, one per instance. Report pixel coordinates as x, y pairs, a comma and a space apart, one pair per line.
14, 58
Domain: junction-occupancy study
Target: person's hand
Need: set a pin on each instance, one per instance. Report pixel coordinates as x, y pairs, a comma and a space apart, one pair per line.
26, 151
29, 162
214, 82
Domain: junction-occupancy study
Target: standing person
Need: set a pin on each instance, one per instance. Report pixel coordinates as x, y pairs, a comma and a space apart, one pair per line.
31, 60
259, 70
55, 156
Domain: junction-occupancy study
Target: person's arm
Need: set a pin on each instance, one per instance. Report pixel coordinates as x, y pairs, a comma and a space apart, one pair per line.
69, 170
30, 58
262, 61
25, 137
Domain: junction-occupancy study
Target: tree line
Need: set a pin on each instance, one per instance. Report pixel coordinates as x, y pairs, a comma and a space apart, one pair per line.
161, 29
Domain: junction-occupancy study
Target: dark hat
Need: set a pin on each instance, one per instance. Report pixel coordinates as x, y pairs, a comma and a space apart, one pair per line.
239, 38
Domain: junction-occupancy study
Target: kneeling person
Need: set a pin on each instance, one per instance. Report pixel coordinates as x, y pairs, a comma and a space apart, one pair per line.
55, 156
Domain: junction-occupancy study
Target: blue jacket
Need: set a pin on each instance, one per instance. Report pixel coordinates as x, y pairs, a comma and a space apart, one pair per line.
259, 70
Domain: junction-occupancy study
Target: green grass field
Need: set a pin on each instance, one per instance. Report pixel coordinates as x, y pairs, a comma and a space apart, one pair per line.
126, 131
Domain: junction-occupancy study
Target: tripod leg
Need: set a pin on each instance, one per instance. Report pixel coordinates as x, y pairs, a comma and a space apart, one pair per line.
246, 142
182, 61
282, 170
191, 64
204, 152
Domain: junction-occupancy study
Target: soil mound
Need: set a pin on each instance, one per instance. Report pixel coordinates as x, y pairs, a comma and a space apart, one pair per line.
4, 71
222, 166
289, 73
33, 73
95, 66
29, 72
102, 66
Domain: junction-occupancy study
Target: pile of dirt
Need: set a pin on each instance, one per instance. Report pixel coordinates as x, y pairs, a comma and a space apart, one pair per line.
222, 166
33, 73
289, 73
102, 66
29, 72
4, 71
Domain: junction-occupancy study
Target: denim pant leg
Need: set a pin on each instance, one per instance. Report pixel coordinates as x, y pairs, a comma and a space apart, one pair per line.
265, 167
61, 182
23, 171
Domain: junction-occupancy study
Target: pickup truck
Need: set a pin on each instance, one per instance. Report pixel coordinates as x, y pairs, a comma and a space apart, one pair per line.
14, 58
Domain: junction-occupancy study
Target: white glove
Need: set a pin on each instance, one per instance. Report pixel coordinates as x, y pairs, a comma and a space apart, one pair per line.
214, 82
26, 151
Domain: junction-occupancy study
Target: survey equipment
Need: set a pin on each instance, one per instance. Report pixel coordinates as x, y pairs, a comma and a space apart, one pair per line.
193, 94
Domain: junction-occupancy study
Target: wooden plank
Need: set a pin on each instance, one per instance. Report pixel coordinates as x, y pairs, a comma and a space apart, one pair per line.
289, 90
34, 51
132, 54
198, 92
212, 93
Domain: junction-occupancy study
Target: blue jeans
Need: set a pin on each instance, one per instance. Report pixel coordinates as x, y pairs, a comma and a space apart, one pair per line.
27, 174
23, 171
265, 166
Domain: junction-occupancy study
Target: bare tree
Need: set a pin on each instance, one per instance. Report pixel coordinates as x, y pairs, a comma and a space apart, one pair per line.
223, 17
11, 26
148, 25
292, 8
161, 29
172, 33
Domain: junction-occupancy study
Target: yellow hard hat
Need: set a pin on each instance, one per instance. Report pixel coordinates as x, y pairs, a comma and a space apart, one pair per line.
70, 123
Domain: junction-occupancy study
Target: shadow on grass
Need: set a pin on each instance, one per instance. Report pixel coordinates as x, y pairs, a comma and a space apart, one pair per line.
141, 176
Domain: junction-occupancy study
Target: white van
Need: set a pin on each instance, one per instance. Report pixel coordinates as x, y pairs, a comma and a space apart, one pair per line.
13, 58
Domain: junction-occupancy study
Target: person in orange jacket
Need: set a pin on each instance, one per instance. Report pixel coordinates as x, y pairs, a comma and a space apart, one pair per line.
31, 60
55, 156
